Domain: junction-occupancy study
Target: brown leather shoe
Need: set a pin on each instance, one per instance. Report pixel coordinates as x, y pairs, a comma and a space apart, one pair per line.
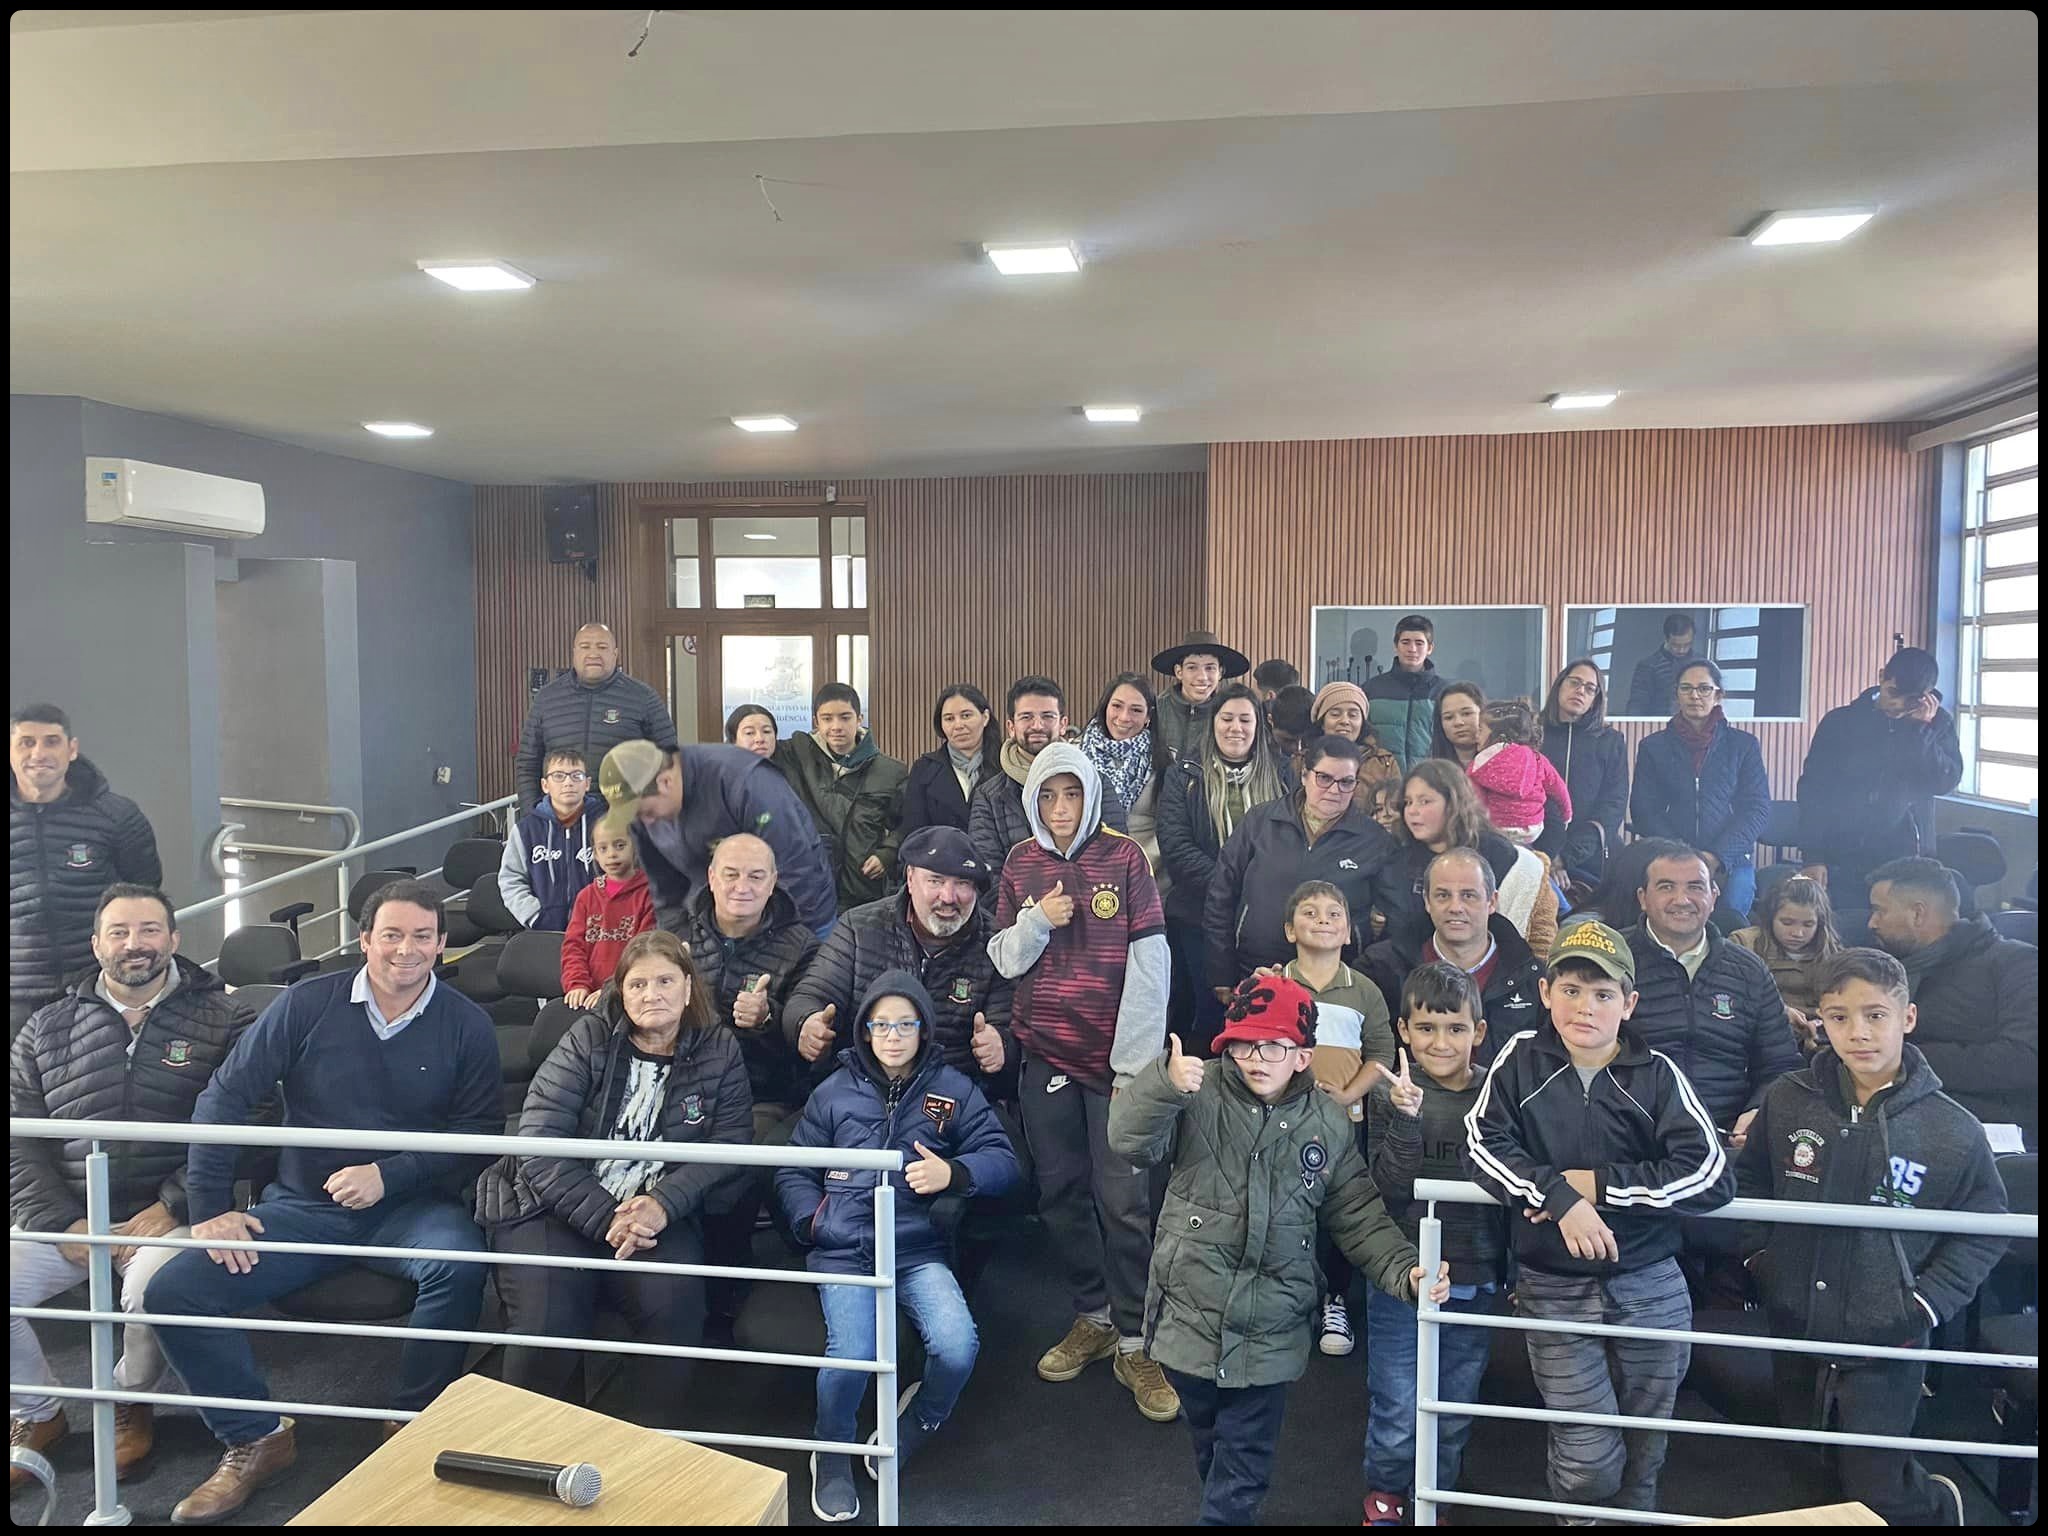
390, 1427
32, 1435
245, 1468
134, 1436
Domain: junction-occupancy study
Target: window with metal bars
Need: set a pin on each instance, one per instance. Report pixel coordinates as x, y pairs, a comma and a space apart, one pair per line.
1999, 711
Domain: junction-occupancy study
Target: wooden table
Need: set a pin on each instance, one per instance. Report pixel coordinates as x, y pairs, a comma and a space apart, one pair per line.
649, 1478
1826, 1514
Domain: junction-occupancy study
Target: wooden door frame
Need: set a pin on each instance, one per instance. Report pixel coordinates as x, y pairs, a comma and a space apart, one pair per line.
653, 622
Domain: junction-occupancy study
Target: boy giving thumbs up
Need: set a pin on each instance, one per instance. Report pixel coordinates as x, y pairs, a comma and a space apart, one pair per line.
1082, 932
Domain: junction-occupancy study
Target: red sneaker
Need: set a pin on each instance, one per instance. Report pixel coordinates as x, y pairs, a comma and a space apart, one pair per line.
1385, 1509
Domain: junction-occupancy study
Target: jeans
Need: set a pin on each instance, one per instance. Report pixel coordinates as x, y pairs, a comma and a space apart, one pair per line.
35, 1273
1461, 1355
1865, 1397
219, 1362
1235, 1430
930, 1294
1740, 891
1591, 1463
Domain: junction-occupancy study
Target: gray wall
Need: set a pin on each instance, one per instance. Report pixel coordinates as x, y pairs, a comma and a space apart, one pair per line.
78, 625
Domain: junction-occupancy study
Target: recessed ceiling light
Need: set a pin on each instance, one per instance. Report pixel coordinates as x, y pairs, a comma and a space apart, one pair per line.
1816, 227
477, 276
398, 429
1031, 260
1586, 402
764, 423
1111, 412
768, 537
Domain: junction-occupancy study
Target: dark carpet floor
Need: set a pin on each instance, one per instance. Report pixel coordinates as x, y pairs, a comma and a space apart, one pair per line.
1019, 1451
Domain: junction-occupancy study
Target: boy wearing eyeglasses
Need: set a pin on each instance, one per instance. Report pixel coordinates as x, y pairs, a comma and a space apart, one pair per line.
1260, 1161
893, 1092
549, 857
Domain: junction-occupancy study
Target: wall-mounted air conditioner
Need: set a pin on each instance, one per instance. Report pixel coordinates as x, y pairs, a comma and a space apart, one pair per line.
131, 494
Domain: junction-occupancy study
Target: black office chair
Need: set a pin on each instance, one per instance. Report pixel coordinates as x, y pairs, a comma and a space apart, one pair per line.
2022, 923
1781, 828
467, 861
487, 907
1975, 857
262, 954
259, 995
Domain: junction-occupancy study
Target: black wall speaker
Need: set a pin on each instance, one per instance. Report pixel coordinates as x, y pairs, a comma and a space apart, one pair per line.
572, 524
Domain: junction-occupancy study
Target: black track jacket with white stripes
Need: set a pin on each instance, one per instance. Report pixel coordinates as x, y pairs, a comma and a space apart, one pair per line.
1640, 1128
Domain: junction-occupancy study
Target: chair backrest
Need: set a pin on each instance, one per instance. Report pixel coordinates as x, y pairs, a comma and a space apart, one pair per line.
258, 995
2022, 1174
530, 965
487, 907
470, 859
553, 1023
1781, 827
368, 884
1975, 857
255, 954
2022, 923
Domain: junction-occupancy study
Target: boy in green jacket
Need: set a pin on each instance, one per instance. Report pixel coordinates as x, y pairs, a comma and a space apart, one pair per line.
1261, 1159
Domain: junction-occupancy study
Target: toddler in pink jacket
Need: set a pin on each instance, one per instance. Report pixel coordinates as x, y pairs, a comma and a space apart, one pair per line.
1514, 780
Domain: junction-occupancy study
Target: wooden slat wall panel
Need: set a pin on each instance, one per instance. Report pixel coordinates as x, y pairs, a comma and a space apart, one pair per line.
1842, 518
974, 579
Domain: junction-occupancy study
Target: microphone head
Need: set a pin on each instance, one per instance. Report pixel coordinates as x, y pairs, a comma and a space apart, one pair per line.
578, 1486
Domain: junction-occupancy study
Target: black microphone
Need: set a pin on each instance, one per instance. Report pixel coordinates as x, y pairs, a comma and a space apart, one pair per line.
576, 1486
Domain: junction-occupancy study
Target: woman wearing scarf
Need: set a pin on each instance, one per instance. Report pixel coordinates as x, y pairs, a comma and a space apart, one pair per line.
1701, 782
943, 780
1122, 741
1340, 710
1202, 799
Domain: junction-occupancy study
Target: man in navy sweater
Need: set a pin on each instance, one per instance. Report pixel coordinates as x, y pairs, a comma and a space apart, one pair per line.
385, 1049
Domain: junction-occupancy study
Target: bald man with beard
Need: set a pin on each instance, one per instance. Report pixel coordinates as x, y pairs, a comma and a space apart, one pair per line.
590, 709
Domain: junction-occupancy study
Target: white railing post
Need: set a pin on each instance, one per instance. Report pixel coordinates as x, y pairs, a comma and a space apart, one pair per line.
886, 1469
99, 1271
1426, 1326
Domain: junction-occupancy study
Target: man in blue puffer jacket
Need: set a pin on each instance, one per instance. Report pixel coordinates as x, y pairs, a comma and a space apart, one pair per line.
893, 1092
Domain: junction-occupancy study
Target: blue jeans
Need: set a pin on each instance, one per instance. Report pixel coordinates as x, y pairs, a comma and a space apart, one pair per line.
218, 1362
1740, 891
1461, 1356
930, 1294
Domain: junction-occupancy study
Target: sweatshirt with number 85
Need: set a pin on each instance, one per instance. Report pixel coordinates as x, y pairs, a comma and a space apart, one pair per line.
1091, 996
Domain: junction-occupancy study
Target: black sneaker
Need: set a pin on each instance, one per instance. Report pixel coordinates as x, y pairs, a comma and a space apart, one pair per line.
833, 1495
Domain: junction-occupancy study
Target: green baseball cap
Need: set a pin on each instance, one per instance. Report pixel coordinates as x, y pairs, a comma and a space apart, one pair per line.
627, 773
1597, 944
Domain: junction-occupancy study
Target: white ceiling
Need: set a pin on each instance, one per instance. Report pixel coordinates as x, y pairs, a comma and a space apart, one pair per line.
1296, 225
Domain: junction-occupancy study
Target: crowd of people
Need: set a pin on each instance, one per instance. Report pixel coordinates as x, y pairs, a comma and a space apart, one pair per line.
1207, 984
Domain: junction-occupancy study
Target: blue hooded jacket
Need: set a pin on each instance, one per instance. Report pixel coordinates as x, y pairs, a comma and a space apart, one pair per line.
547, 865
1722, 811
832, 1210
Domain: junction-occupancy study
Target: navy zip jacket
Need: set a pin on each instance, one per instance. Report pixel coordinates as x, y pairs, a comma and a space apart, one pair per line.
1593, 761
1721, 812
1640, 1128
931, 795
832, 1210
570, 715
1724, 1026
1866, 793
439, 1073
1268, 855
1912, 1147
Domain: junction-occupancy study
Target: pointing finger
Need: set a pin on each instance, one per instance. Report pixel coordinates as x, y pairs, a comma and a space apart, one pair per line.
1402, 1053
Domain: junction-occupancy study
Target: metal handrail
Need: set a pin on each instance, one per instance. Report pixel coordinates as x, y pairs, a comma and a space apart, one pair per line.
1429, 1317
103, 1312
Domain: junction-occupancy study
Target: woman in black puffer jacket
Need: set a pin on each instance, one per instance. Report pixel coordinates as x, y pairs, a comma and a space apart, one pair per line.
1592, 758
653, 1066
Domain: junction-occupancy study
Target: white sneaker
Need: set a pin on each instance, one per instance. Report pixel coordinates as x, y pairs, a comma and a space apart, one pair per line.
1953, 1492
1337, 1338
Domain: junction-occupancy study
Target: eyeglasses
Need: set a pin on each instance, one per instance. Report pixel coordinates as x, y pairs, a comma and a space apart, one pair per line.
1577, 685
1327, 782
1698, 690
894, 1027
1263, 1050
561, 777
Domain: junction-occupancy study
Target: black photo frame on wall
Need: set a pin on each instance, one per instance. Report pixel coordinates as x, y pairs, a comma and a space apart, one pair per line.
1762, 649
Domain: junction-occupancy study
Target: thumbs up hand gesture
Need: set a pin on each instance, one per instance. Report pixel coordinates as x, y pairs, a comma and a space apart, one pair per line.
816, 1035
1057, 906
1184, 1072
750, 1007
986, 1044
1402, 1090
930, 1174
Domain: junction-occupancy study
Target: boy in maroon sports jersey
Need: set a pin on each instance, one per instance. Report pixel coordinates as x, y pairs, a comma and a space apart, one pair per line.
1082, 932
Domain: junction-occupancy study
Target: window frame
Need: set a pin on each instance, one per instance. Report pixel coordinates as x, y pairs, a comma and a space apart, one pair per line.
1973, 622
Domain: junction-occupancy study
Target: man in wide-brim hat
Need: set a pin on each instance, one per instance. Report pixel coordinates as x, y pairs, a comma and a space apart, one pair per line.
1198, 666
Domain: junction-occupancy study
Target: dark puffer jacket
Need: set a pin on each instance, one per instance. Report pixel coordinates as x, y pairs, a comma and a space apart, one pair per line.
855, 811
1725, 1027
1866, 793
1978, 995
71, 1062
1510, 999
779, 949
1401, 707
931, 794
570, 716
961, 978
1188, 845
706, 1100
1721, 811
1594, 763
1266, 858
1653, 686
60, 857
832, 1210
1911, 1147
